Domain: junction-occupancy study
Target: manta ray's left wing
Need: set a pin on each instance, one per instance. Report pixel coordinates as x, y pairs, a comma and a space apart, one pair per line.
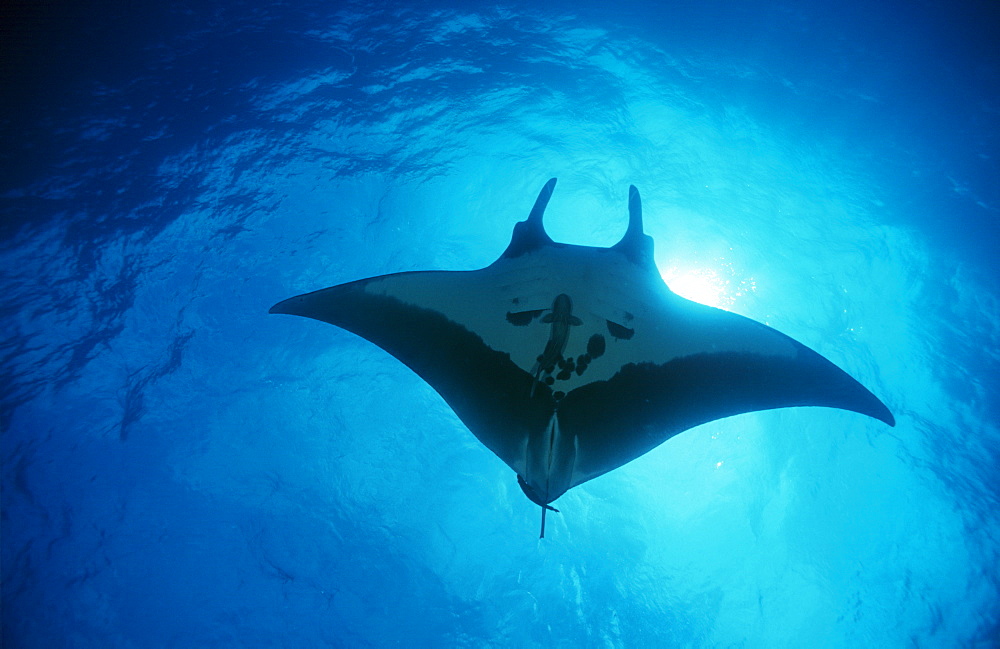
451, 329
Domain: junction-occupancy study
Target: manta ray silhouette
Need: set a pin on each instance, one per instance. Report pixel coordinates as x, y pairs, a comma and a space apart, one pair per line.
570, 361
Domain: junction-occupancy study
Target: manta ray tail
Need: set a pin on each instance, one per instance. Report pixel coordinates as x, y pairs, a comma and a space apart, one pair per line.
546, 508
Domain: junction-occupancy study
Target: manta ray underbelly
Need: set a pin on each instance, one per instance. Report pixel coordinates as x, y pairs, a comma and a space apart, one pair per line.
550, 458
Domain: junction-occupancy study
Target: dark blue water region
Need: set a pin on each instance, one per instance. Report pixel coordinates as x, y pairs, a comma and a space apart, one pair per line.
182, 469
918, 81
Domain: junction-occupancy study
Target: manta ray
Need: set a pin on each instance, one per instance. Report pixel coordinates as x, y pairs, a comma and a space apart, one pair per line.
570, 361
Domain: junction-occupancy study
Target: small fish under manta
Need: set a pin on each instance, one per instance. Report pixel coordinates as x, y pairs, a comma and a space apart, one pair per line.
570, 361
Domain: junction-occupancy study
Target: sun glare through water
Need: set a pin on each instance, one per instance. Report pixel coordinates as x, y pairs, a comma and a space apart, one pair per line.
719, 285
702, 285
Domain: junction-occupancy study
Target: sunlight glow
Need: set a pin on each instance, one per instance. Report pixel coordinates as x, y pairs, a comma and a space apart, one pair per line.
719, 288
702, 286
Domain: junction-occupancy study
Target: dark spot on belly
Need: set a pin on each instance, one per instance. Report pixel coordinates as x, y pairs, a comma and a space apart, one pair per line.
583, 359
565, 374
523, 318
595, 346
620, 332
580, 369
549, 380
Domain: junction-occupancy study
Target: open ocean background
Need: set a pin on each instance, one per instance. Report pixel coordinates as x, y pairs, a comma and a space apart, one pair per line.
180, 469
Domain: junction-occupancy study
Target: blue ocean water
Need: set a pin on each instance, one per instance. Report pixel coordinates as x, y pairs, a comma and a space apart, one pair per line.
182, 470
